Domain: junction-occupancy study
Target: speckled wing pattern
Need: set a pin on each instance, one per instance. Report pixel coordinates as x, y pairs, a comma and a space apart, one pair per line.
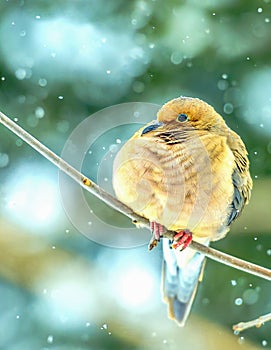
241, 180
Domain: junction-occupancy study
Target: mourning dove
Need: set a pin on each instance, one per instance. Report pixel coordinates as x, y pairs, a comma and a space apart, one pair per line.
188, 172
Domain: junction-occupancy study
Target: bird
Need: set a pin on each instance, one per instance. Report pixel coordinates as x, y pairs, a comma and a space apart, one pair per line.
188, 172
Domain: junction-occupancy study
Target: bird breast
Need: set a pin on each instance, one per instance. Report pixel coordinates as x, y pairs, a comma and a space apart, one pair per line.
180, 185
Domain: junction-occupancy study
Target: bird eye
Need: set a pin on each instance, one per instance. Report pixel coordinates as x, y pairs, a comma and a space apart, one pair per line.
182, 117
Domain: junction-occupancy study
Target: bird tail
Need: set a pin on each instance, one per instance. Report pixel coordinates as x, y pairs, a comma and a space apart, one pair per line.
181, 274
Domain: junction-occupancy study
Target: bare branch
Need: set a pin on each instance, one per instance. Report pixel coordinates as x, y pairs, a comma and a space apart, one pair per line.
119, 206
258, 322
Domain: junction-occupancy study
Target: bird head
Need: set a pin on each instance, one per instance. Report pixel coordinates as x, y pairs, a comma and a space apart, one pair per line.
190, 113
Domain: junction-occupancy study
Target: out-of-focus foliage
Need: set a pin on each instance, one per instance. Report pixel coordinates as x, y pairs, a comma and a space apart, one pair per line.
61, 61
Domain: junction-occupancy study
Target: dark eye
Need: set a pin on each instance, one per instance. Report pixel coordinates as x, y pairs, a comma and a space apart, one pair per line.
182, 117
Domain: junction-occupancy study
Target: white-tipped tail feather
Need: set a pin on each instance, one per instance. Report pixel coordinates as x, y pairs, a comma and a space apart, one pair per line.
181, 274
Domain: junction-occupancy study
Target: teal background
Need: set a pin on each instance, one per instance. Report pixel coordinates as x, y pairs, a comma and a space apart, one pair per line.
61, 61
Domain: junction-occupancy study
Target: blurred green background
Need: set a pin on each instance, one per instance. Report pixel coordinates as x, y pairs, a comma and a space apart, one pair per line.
61, 61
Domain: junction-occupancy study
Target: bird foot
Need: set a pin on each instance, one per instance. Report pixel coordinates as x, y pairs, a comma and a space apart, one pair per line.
157, 232
182, 239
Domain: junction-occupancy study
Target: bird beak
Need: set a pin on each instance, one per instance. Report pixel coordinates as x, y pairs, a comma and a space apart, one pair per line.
156, 124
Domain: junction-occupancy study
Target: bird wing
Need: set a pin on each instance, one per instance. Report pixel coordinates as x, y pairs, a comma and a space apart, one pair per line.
242, 182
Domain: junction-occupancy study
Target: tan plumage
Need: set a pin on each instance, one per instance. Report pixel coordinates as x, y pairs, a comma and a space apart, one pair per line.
185, 174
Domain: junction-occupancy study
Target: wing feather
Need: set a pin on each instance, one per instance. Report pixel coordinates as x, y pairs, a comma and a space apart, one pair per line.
242, 182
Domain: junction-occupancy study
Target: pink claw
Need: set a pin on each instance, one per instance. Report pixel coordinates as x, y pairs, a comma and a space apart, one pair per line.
157, 230
182, 238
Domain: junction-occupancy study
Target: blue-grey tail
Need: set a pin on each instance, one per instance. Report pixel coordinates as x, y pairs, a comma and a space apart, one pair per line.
180, 280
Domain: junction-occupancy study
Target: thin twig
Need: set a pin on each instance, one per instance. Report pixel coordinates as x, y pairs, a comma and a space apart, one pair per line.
258, 322
90, 186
